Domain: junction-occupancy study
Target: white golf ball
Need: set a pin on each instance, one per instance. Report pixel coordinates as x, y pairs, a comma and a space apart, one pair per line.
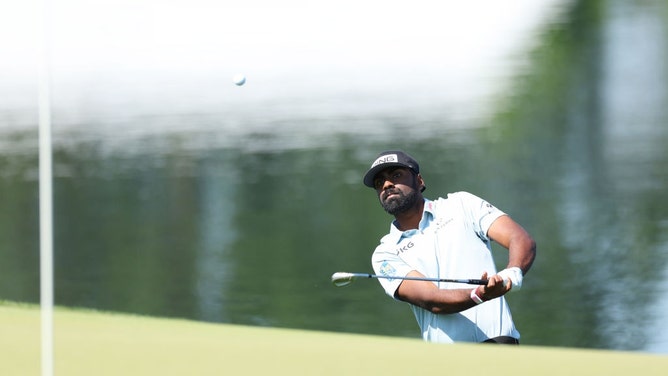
239, 79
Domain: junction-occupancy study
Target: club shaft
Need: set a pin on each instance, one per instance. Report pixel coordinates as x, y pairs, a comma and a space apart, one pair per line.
467, 281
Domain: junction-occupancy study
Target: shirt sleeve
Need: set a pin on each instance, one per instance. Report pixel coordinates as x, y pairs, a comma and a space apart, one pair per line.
480, 212
387, 263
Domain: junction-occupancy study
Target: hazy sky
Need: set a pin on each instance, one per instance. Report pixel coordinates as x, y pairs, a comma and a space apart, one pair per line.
168, 35
181, 55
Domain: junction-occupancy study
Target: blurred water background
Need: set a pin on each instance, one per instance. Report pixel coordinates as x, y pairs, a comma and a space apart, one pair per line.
179, 194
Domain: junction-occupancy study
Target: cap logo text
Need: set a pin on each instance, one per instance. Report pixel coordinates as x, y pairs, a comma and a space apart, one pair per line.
385, 159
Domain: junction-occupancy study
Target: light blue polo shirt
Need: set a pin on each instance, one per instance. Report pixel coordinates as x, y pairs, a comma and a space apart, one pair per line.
450, 242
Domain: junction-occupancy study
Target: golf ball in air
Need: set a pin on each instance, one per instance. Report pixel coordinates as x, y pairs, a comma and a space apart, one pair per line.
239, 79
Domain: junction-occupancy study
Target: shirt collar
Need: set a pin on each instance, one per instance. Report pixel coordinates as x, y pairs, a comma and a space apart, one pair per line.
396, 235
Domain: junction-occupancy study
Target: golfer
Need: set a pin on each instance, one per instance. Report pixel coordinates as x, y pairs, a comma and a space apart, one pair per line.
447, 238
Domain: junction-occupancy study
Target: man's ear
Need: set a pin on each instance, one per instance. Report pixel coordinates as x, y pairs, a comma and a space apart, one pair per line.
420, 182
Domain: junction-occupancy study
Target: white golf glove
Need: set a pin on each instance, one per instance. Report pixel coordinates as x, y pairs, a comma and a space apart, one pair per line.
515, 276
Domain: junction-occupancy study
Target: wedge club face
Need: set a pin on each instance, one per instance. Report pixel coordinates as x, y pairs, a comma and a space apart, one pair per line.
340, 279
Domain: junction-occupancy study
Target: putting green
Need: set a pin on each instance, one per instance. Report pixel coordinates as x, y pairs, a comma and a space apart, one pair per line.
94, 343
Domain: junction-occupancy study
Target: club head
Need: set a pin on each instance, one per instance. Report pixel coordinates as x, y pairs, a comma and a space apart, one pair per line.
340, 279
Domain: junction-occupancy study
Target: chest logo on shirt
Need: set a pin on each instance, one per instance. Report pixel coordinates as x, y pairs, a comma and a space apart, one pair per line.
442, 222
405, 247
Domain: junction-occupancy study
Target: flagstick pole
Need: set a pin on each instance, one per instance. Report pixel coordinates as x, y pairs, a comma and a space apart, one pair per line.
45, 198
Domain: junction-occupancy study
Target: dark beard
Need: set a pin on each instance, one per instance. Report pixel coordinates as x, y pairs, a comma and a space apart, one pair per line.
398, 205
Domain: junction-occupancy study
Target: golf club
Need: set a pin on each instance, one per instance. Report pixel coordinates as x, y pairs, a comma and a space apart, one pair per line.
343, 279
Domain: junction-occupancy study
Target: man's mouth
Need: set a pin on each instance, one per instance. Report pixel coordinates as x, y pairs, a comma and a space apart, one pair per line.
389, 194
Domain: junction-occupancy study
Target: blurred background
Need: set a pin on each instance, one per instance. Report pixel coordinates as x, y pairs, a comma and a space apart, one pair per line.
179, 194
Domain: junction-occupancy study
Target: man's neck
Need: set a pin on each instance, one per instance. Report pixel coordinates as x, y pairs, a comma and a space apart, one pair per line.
410, 219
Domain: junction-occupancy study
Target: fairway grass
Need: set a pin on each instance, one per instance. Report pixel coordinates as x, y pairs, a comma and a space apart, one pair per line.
95, 343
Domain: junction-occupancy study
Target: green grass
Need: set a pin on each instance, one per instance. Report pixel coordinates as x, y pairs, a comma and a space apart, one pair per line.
95, 343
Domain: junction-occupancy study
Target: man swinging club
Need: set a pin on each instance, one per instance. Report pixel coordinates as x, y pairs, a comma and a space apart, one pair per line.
447, 238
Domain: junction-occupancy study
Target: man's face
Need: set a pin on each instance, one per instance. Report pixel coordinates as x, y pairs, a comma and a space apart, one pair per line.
398, 189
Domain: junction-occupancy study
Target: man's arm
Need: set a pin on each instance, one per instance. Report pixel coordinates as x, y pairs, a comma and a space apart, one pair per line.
428, 296
520, 245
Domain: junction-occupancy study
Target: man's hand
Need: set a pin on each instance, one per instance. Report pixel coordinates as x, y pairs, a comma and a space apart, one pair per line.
495, 287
